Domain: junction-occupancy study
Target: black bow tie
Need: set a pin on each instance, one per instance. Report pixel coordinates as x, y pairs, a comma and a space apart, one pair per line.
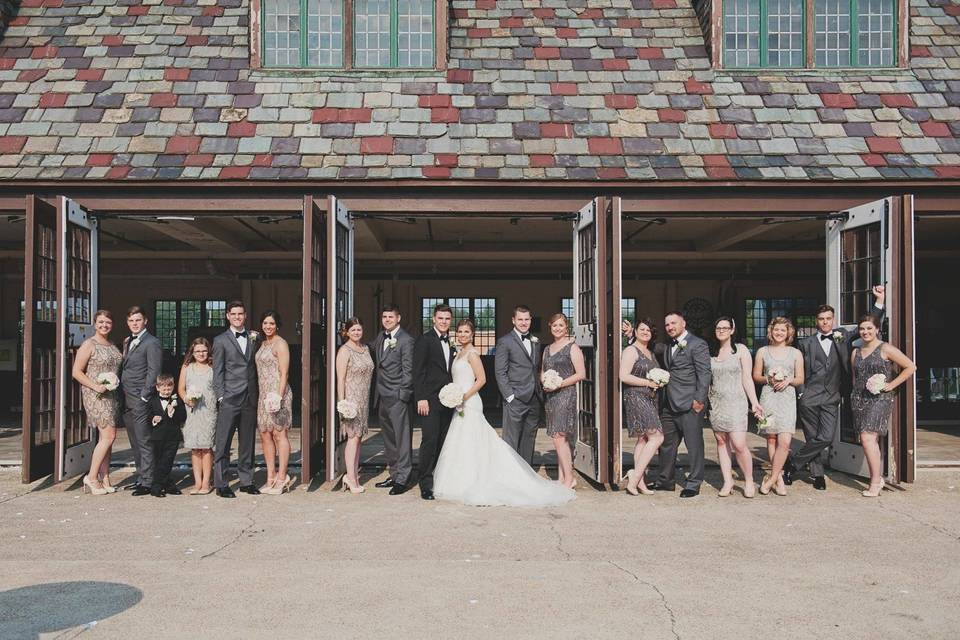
386, 335
133, 336
240, 334
825, 336
674, 341
444, 336
525, 336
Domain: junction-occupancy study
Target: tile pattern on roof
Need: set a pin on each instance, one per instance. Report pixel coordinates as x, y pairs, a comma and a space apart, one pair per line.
536, 89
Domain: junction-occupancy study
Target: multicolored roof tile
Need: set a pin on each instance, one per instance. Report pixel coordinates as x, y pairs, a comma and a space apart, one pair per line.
534, 90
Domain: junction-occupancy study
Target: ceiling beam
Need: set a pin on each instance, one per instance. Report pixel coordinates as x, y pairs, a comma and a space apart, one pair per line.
738, 232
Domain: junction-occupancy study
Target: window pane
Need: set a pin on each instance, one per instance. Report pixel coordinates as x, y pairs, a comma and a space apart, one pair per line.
216, 311
165, 315
426, 311
485, 319
325, 33
831, 27
741, 20
875, 29
281, 28
785, 33
189, 318
372, 33
415, 33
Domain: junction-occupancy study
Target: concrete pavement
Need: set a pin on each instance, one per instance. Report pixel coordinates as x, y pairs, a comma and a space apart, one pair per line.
316, 564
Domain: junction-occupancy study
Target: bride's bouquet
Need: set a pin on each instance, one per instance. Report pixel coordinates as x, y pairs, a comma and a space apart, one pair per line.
451, 396
551, 380
660, 376
347, 409
272, 402
109, 380
876, 383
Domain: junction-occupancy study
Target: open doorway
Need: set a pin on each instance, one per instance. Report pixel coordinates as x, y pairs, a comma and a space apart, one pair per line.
938, 357
12, 230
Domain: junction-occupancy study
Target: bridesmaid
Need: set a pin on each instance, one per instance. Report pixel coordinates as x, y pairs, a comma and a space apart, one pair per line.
354, 375
97, 355
273, 368
871, 412
640, 398
730, 388
778, 399
566, 358
196, 375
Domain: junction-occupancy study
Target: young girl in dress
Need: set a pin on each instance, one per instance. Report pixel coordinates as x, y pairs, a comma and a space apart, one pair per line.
196, 389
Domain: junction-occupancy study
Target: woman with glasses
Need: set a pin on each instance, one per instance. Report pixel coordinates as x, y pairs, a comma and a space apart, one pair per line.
732, 397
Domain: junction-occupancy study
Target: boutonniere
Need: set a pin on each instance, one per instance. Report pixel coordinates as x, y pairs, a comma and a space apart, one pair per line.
253, 336
453, 344
838, 336
391, 343
534, 339
682, 344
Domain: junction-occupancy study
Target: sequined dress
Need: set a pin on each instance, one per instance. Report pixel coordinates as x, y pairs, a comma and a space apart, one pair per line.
104, 411
641, 402
268, 378
870, 412
728, 400
561, 405
357, 388
779, 406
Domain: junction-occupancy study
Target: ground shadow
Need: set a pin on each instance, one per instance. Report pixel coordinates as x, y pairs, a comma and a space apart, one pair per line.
55, 606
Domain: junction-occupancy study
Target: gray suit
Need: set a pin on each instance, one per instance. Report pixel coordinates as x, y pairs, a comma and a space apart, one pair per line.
690, 375
392, 392
235, 383
818, 405
517, 372
138, 378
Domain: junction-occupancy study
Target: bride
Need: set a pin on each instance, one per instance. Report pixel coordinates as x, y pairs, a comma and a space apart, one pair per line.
476, 467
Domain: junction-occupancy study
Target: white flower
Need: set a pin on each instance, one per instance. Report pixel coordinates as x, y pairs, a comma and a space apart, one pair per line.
109, 380
876, 383
347, 409
193, 394
453, 342
253, 336
272, 402
534, 339
682, 344
391, 343
777, 374
551, 380
838, 336
659, 376
451, 396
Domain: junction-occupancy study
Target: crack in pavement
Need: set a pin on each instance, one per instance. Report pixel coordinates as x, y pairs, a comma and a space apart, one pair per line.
252, 522
941, 530
553, 528
663, 598
18, 495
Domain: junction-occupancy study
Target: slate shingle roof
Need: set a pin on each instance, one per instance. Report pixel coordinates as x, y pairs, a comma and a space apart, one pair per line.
547, 89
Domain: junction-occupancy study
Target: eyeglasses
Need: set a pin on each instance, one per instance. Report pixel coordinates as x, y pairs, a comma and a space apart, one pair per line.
724, 328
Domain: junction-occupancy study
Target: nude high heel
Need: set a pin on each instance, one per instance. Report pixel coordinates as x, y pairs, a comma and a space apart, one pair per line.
92, 488
105, 483
764, 486
869, 493
629, 478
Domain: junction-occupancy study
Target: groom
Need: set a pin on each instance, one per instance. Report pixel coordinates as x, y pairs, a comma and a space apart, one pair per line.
393, 354
687, 358
432, 359
235, 383
517, 364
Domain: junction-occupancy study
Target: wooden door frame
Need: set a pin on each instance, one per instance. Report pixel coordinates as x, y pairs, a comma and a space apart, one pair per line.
902, 458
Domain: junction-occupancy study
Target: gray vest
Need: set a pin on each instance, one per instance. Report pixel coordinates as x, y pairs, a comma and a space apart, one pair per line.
822, 380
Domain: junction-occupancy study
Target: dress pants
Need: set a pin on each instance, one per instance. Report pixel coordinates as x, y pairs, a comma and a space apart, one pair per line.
688, 427
164, 451
394, 416
520, 424
137, 423
235, 414
433, 428
819, 423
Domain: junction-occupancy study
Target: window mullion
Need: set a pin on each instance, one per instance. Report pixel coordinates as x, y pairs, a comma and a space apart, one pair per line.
854, 33
394, 33
348, 31
303, 33
764, 34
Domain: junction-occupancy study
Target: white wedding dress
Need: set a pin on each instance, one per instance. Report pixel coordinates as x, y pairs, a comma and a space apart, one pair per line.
476, 467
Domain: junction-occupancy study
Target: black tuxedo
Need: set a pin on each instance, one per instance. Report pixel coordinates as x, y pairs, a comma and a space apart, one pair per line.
431, 372
165, 437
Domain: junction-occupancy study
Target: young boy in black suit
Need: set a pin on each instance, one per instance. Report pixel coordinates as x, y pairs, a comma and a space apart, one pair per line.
167, 415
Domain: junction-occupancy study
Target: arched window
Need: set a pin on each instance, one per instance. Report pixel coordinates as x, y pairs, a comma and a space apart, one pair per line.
349, 34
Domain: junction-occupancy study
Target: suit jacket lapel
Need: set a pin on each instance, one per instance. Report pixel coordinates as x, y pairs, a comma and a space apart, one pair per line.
523, 348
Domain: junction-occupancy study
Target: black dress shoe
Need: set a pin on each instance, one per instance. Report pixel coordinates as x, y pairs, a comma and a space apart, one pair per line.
819, 483
226, 492
172, 490
426, 494
140, 490
397, 489
662, 486
689, 493
158, 492
385, 484
251, 489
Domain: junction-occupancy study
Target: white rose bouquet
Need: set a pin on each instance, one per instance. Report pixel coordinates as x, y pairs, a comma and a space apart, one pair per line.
876, 383
551, 380
451, 396
194, 395
109, 380
347, 409
660, 376
777, 374
838, 336
272, 402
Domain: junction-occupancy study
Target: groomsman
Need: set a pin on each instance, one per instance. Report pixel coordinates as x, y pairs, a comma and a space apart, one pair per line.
142, 359
826, 363
392, 390
235, 383
432, 359
687, 358
517, 364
